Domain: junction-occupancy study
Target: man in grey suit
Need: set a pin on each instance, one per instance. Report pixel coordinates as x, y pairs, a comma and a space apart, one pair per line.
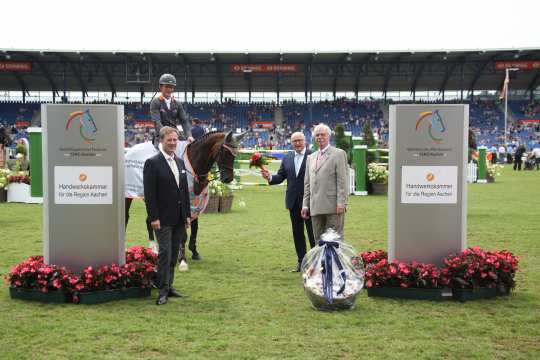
325, 185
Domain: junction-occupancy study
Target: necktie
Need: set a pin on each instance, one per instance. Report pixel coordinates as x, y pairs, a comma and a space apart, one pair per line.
174, 169
318, 162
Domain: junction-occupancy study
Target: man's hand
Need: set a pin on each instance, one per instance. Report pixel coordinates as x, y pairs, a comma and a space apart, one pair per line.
156, 225
340, 209
188, 223
266, 174
305, 213
190, 139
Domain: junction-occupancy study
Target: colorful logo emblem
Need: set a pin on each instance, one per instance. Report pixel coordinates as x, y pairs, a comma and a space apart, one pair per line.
430, 177
87, 125
435, 128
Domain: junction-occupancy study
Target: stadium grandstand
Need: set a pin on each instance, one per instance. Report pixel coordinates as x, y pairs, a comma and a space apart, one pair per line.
273, 94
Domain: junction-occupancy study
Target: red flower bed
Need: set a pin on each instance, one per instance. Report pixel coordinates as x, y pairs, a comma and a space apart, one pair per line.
469, 269
475, 267
35, 274
401, 274
373, 257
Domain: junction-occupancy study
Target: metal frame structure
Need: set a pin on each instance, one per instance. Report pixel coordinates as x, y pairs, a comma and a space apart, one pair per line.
410, 71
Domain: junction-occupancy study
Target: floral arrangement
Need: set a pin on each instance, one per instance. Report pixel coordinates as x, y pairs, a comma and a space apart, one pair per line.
494, 170
258, 160
33, 273
3, 178
217, 188
18, 177
468, 269
377, 173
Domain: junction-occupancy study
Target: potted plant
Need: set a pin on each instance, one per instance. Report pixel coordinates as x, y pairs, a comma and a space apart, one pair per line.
34, 280
214, 193
476, 274
406, 280
3, 184
226, 198
378, 177
18, 186
493, 170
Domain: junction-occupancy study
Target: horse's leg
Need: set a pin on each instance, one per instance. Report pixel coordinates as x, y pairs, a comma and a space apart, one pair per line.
128, 205
193, 240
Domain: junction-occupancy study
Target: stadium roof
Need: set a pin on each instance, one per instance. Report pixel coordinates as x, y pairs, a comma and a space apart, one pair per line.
268, 72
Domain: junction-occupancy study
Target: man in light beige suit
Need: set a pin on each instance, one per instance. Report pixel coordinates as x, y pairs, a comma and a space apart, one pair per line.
325, 185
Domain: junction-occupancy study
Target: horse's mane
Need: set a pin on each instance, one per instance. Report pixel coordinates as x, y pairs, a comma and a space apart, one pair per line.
206, 136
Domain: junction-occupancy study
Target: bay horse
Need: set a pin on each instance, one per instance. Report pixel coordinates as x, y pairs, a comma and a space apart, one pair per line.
200, 156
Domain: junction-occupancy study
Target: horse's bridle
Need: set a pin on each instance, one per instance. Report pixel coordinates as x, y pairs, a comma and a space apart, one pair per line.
203, 178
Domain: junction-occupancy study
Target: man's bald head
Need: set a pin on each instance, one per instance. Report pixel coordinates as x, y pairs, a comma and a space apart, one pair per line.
298, 141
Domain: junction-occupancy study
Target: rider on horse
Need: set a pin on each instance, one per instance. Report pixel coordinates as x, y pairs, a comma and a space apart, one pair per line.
165, 110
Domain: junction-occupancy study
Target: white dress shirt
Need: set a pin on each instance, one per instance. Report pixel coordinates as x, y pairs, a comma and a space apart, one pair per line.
298, 158
168, 102
173, 166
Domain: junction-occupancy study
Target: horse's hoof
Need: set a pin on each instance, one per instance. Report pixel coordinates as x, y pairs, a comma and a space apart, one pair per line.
183, 266
196, 256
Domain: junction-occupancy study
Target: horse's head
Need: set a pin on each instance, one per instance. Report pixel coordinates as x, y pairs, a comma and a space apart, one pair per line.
226, 155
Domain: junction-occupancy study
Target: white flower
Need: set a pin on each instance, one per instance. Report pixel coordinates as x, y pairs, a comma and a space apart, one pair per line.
19, 156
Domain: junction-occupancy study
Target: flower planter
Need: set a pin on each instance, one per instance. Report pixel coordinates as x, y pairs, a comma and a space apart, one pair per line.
379, 189
18, 192
213, 204
136, 293
473, 294
103, 296
410, 293
225, 203
3, 195
58, 297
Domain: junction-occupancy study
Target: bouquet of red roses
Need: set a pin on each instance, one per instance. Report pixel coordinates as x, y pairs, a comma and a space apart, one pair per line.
258, 160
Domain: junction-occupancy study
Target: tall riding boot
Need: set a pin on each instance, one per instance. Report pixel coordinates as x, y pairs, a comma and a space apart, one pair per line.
193, 240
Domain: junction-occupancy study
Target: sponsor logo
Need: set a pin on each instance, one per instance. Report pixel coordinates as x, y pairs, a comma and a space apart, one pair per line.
86, 124
435, 127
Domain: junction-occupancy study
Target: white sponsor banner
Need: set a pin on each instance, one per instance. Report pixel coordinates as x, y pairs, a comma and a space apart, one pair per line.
83, 185
134, 164
429, 184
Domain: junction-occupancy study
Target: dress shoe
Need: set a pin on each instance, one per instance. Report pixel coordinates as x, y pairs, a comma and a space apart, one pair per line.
296, 269
175, 293
162, 300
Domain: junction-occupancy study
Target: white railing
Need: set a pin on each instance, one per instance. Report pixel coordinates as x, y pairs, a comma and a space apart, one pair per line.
352, 180
472, 172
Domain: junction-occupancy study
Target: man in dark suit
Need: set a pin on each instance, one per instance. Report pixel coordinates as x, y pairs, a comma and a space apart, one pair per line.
168, 208
293, 168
